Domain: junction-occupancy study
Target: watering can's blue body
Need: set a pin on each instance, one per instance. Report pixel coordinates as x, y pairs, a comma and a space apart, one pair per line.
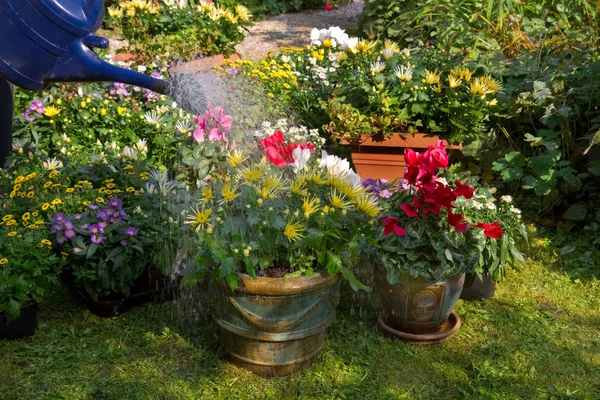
43, 41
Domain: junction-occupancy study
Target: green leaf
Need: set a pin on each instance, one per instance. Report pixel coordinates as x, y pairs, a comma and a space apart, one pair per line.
511, 174
576, 212
91, 250
542, 166
515, 159
529, 182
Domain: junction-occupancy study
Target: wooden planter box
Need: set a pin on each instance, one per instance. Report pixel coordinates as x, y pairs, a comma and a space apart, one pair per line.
384, 158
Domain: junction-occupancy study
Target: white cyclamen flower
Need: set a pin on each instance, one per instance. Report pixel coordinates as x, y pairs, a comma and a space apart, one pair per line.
301, 157
340, 168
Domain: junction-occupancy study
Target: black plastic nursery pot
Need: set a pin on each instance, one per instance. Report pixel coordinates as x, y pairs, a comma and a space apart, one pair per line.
151, 286
478, 289
25, 325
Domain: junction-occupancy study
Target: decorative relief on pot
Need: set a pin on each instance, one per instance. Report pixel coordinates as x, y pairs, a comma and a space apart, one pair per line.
424, 303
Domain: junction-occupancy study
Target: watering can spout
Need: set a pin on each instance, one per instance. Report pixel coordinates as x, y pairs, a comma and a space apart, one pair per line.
79, 63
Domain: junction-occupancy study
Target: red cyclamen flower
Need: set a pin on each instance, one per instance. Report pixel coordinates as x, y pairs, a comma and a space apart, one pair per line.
465, 191
457, 221
390, 225
328, 7
493, 230
411, 209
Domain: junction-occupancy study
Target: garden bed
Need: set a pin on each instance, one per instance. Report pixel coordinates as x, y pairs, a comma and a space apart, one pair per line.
536, 339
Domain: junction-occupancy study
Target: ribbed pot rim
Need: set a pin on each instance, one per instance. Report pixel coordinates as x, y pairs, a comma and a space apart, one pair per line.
284, 286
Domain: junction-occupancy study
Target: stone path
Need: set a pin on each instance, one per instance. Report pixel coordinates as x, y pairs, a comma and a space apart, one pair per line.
293, 29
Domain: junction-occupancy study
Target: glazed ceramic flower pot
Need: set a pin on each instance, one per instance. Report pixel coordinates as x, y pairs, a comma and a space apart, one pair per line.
383, 157
24, 326
275, 326
416, 305
478, 289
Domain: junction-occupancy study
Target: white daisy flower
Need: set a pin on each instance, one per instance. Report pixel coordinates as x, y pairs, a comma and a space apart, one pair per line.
506, 199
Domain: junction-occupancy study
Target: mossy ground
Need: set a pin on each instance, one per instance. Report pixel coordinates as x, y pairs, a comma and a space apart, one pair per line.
538, 338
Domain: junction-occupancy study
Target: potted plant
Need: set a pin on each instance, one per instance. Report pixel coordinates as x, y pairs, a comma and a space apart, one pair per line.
277, 230
120, 244
27, 268
497, 251
390, 100
425, 248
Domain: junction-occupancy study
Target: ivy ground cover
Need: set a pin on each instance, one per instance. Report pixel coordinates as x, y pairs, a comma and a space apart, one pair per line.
538, 338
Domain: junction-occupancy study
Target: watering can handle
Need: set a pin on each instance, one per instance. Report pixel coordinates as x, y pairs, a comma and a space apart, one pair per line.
95, 41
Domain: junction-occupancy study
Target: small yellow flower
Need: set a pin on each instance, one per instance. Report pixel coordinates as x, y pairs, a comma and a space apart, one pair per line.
207, 194
46, 242
59, 101
26, 216
53, 174
121, 110
130, 189
45, 206
19, 179
12, 222
103, 111
100, 200
30, 176
236, 158
7, 217
51, 111
368, 205
35, 214
56, 202
70, 190
3, 261
479, 88
30, 195
110, 185
327, 43
83, 104
11, 234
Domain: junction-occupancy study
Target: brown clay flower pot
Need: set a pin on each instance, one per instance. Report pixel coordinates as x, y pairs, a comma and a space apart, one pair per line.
275, 326
478, 289
415, 305
377, 158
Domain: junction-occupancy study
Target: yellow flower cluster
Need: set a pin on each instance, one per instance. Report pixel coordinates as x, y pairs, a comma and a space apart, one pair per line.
216, 13
130, 8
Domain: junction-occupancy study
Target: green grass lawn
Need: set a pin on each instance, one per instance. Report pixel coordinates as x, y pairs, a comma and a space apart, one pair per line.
538, 338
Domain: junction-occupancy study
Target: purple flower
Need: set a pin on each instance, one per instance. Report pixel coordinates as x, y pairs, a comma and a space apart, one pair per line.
95, 229
137, 89
115, 203
131, 231
37, 106
60, 238
92, 206
103, 225
60, 217
97, 239
56, 228
85, 226
123, 242
119, 89
25, 115
76, 250
103, 215
156, 75
68, 225
115, 220
78, 217
69, 233
385, 193
150, 95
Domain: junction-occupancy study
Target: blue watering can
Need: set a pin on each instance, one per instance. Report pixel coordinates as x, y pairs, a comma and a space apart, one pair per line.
43, 41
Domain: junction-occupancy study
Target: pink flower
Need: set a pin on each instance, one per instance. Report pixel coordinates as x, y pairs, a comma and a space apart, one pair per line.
214, 134
199, 135
411, 209
465, 191
328, 7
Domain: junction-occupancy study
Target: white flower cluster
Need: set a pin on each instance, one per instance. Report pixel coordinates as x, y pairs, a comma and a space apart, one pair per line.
337, 36
340, 168
292, 134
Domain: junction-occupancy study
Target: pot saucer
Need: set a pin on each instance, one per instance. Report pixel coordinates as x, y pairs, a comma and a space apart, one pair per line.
447, 329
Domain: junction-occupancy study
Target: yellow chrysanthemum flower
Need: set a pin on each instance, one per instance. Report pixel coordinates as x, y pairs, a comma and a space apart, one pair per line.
492, 84
228, 193
199, 219
453, 81
310, 206
293, 230
339, 201
243, 13
479, 88
236, 158
431, 77
368, 205
207, 194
